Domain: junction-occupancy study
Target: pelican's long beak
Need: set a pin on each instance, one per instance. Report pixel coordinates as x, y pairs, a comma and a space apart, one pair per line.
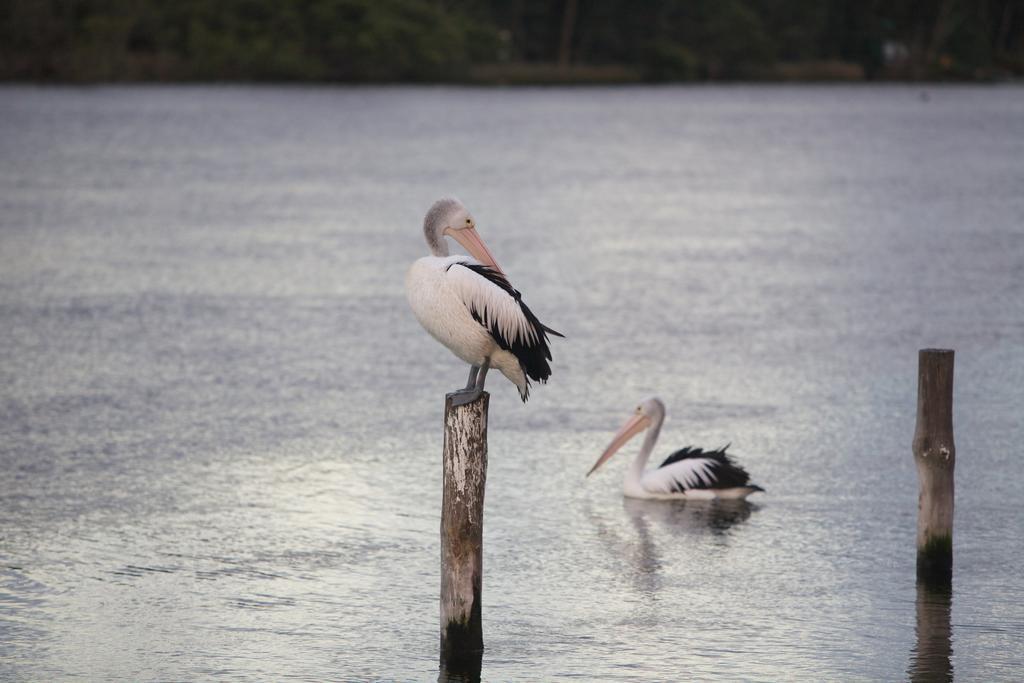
633, 426
472, 243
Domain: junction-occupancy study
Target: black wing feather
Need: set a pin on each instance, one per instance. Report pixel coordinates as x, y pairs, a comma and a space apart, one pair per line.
725, 473
533, 355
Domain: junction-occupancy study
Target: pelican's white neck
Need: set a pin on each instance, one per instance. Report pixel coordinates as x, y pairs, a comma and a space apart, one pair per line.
437, 219
634, 475
436, 241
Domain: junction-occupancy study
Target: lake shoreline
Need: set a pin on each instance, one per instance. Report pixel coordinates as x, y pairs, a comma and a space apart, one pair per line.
537, 73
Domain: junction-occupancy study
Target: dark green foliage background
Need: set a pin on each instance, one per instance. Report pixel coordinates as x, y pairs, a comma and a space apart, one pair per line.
430, 40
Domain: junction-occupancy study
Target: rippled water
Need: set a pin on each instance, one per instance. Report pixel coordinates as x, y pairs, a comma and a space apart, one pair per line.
220, 425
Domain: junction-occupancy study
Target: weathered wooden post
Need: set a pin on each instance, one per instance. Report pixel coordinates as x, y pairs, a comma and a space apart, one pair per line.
462, 527
935, 456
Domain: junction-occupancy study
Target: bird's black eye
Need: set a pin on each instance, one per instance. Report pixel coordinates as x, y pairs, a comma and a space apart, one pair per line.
468, 221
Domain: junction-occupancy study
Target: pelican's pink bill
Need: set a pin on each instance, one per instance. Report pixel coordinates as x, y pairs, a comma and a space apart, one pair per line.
633, 426
471, 241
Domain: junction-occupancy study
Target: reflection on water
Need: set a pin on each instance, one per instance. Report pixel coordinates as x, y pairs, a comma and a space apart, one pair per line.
682, 522
932, 656
679, 517
466, 670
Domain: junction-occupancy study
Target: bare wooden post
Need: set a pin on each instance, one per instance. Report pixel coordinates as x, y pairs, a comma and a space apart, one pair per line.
462, 527
935, 456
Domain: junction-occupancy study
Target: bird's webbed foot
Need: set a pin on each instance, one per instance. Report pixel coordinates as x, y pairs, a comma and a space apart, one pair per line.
465, 396
474, 388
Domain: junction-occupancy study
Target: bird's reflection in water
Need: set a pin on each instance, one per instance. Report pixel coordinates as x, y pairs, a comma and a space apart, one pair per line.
932, 656
465, 670
688, 517
678, 518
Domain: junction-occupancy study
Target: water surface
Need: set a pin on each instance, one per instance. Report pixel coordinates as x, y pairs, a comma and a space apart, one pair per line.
220, 425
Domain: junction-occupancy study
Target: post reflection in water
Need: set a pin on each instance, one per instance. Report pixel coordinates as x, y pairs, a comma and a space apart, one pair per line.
932, 656
465, 670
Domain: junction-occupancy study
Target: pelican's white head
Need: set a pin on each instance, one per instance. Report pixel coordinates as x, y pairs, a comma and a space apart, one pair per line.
652, 408
649, 413
448, 216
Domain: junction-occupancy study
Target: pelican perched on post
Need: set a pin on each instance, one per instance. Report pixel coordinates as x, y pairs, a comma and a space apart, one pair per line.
468, 305
690, 473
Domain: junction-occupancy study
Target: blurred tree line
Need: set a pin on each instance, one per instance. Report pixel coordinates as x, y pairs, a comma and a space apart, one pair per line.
453, 40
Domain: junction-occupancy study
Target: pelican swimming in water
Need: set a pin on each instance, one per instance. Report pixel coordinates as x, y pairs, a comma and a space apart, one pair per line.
690, 473
468, 305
